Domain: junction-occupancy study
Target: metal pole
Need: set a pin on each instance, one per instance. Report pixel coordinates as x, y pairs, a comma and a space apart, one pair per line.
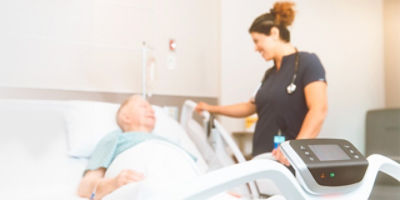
144, 64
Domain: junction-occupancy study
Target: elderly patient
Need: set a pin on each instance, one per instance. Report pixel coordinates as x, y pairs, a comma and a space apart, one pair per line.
136, 119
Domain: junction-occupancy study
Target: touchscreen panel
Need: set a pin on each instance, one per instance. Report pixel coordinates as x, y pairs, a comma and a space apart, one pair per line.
329, 152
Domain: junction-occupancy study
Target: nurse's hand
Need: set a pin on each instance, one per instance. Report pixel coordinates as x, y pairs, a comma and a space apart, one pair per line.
201, 106
277, 153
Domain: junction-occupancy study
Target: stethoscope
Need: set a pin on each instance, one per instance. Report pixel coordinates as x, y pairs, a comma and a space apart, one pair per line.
291, 88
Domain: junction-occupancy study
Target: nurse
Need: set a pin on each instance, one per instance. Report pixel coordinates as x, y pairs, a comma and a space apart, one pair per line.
292, 97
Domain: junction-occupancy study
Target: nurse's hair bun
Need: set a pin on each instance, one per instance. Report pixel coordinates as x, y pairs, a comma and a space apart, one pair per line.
283, 13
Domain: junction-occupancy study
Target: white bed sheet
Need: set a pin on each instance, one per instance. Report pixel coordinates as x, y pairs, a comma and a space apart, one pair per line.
163, 165
48, 177
33, 153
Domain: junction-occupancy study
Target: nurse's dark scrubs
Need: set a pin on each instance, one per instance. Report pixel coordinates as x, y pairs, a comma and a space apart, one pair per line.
276, 109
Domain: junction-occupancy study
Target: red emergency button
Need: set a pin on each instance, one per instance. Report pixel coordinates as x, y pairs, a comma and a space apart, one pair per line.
172, 45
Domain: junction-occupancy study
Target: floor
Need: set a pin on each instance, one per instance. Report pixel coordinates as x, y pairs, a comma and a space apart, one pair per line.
385, 192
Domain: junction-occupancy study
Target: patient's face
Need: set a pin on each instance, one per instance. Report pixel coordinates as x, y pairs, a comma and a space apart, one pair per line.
142, 113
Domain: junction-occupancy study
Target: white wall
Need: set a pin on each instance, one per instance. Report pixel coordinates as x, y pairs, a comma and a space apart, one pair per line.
95, 45
347, 35
392, 49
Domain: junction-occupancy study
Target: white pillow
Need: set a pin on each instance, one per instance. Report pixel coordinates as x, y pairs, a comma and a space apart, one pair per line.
165, 126
87, 122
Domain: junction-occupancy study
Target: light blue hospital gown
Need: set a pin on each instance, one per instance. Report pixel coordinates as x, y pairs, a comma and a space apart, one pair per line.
117, 142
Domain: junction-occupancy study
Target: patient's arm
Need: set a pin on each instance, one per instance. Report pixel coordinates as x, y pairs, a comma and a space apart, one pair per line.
95, 179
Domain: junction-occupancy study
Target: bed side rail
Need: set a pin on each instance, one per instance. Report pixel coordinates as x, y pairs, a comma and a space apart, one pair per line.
187, 113
218, 181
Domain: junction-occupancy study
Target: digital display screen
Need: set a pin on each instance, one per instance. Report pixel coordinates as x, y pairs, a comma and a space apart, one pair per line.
328, 152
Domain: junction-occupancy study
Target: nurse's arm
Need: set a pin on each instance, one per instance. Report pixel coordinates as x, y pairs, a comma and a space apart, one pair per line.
236, 110
317, 103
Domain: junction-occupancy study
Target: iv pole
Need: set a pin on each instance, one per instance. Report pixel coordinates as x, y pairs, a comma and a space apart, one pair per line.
144, 64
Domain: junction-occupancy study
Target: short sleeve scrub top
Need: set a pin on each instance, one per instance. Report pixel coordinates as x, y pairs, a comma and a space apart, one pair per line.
278, 110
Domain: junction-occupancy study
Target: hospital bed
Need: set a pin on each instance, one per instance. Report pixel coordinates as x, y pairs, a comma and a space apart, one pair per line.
45, 145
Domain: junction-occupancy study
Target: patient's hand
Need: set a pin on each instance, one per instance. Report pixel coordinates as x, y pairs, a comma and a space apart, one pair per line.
127, 176
94, 181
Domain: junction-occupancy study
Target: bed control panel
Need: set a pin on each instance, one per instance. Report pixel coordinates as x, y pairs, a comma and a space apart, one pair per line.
325, 165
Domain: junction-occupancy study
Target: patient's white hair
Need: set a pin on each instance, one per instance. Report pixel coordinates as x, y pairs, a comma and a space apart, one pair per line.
122, 108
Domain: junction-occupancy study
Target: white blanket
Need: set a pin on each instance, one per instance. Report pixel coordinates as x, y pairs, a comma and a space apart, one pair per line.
162, 164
